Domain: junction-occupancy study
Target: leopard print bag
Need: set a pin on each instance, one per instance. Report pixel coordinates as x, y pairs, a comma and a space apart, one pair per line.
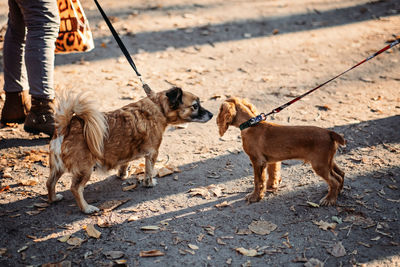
74, 35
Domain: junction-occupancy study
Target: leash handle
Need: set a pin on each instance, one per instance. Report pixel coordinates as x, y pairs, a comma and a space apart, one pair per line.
120, 43
255, 120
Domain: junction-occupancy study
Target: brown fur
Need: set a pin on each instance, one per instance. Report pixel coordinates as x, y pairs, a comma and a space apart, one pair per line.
86, 137
267, 144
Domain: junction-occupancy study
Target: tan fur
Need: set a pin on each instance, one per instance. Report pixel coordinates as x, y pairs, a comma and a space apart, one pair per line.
267, 144
85, 137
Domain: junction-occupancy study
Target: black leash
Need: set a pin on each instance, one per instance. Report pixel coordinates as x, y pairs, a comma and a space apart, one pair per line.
263, 116
121, 45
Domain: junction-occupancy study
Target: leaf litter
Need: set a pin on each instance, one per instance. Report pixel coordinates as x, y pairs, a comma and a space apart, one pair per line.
262, 227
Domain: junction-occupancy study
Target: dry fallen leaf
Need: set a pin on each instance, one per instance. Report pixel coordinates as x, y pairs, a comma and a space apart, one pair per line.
314, 263
139, 169
3, 251
64, 238
375, 238
133, 218
312, 204
35, 156
325, 225
150, 228
22, 249
112, 204
92, 231
364, 244
337, 250
210, 230
41, 205
129, 187
220, 241
58, 264
207, 192
121, 262
164, 172
75, 241
262, 227
243, 232
33, 212
151, 253
4, 188
113, 255
28, 182
194, 247
222, 205
201, 191
359, 220
200, 237
247, 252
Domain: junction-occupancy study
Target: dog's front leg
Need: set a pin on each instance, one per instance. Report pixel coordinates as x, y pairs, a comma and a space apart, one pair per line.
151, 159
259, 181
274, 176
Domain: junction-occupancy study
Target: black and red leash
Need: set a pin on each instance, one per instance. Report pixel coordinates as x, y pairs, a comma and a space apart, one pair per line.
261, 117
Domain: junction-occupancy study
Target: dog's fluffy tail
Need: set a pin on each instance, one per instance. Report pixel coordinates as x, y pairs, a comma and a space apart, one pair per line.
338, 138
95, 127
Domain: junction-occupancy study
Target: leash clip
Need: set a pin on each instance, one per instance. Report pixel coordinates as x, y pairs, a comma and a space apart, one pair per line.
256, 119
253, 121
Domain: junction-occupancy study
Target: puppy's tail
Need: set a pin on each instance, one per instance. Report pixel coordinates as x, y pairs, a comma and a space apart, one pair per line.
95, 127
337, 138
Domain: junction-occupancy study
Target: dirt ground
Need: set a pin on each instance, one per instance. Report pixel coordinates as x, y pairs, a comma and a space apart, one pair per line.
268, 52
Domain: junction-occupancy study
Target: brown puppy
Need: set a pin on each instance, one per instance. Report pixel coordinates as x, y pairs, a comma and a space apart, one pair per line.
86, 137
267, 144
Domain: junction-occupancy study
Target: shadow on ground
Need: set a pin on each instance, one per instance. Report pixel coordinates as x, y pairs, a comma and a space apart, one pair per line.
193, 219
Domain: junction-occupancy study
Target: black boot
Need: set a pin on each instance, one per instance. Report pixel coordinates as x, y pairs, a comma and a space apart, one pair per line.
41, 117
16, 107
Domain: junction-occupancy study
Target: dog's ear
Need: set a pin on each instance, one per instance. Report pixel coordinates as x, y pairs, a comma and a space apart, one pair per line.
227, 113
174, 97
249, 106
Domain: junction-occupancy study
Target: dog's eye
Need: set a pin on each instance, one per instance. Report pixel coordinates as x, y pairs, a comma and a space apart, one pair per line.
195, 106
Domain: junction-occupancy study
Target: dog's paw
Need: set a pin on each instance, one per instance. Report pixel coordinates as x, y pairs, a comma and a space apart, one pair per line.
123, 173
57, 197
123, 176
272, 186
253, 197
151, 183
326, 201
89, 209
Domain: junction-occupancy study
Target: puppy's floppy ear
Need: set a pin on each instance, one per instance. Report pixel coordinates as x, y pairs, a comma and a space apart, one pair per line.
227, 113
249, 106
174, 97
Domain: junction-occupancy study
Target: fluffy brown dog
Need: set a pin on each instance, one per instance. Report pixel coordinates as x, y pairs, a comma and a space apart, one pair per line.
267, 144
86, 137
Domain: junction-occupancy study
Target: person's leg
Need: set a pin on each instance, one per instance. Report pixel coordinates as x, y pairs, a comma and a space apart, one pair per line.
42, 22
17, 103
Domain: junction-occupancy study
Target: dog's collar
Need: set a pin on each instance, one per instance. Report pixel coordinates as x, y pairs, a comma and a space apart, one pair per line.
253, 121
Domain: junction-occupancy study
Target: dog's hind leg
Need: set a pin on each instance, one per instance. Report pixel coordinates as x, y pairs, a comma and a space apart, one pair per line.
55, 174
56, 169
123, 171
259, 181
333, 190
274, 175
339, 175
79, 181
